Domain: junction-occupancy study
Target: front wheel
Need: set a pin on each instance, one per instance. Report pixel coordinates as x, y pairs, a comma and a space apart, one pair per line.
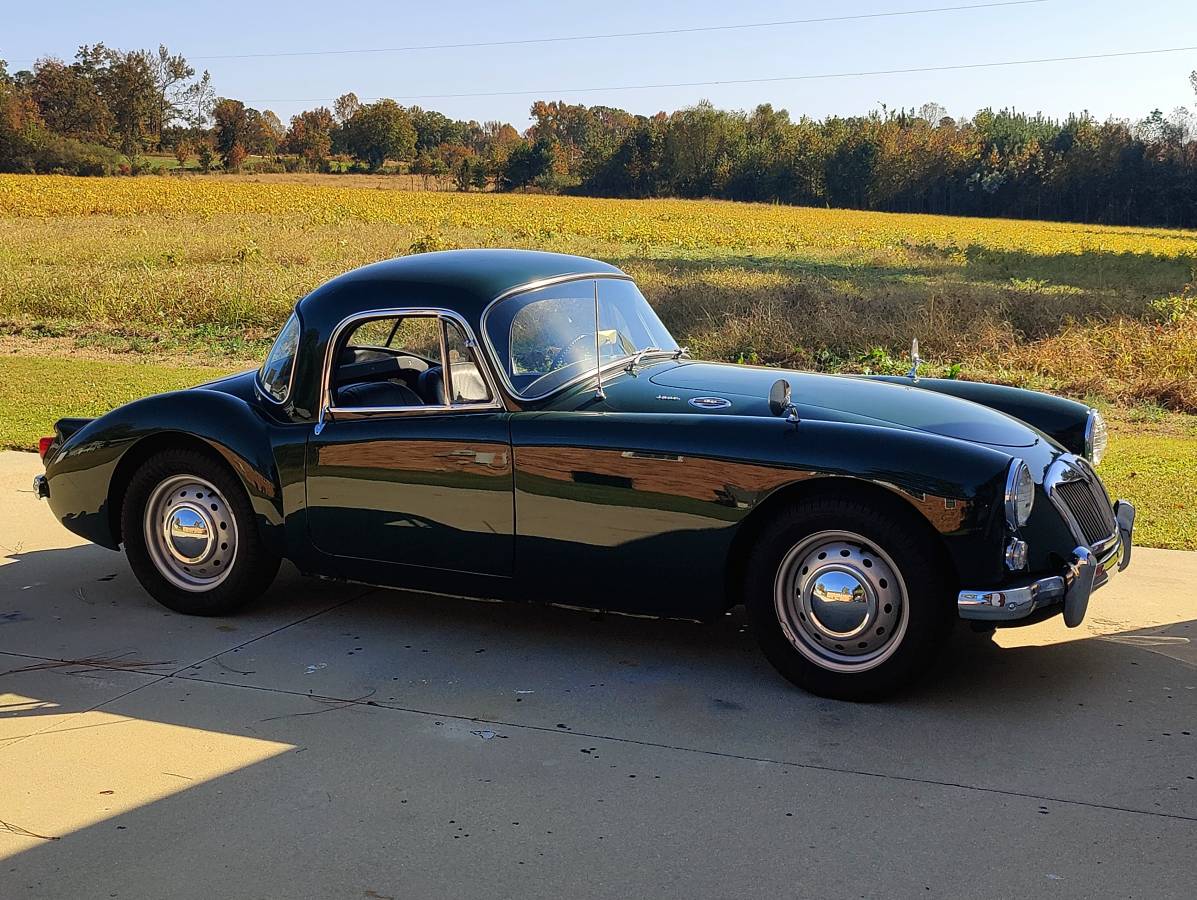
190, 535
846, 600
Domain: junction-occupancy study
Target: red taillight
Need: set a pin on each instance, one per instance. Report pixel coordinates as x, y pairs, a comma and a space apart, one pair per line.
43, 446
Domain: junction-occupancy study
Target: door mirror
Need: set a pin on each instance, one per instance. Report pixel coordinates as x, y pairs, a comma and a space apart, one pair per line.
780, 400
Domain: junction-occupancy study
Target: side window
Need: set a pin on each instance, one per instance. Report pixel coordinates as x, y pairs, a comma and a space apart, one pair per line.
419, 336
399, 362
469, 385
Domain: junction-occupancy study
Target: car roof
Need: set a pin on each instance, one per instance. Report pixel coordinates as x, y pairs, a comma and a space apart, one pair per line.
464, 281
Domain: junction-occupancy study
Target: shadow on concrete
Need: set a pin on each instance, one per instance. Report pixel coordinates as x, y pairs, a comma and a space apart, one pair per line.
385, 743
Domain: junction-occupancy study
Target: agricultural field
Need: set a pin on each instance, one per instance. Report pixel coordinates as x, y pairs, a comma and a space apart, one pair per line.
110, 288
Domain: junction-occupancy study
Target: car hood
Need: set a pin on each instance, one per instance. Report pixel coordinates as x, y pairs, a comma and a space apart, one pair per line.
837, 398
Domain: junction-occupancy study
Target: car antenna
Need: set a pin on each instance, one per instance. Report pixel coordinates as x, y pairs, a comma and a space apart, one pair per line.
599, 393
913, 374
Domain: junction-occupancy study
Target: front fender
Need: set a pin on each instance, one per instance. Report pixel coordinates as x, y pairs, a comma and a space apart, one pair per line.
1060, 419
956, 486
91, 466
726, 467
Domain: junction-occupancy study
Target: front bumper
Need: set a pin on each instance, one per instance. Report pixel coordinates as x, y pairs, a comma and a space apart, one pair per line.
1088, 570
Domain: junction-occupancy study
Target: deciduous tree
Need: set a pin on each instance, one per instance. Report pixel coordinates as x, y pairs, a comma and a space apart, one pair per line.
378, 132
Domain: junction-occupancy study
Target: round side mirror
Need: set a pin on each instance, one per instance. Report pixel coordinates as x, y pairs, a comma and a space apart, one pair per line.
779, 397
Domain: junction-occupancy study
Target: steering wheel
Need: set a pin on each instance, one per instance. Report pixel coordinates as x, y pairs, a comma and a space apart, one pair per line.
559, 357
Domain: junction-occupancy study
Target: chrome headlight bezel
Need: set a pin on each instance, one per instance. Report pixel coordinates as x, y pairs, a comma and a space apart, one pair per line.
1097, 437
1020, 495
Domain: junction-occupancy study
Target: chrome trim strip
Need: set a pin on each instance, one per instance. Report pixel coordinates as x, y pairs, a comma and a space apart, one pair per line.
349, 413
446, 366
326, 406
552, 280
493, 353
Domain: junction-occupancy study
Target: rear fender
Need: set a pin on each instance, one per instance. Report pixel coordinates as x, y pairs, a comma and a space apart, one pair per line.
87, 474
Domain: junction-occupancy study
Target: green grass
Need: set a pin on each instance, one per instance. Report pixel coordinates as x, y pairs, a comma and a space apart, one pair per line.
35, 391
1150, 461
1155, 471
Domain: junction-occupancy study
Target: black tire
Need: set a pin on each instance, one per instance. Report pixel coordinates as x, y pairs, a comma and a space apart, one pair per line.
250, 565
910, 554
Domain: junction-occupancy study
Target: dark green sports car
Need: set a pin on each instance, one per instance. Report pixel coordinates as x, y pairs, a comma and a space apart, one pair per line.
512, 424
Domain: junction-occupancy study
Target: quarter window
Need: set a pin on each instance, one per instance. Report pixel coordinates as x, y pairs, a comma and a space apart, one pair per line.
275, 374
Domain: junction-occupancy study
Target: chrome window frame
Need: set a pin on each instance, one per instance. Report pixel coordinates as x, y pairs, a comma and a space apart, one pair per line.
496, 358
349, 413
261, 389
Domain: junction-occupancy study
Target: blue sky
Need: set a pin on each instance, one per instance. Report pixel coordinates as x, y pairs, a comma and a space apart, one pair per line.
1129, 87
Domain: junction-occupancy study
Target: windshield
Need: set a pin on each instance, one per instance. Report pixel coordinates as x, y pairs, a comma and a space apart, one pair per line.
275, 374
546, 338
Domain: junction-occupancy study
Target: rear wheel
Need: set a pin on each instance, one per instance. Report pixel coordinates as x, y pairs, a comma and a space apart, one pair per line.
846, 600
191, 537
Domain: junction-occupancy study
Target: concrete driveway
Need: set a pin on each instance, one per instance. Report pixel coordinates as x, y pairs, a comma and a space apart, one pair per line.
338, 741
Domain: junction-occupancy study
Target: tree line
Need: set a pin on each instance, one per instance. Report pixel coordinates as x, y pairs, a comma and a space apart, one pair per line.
109, 110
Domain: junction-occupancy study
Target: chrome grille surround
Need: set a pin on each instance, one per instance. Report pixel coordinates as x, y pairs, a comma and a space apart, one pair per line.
1081, 498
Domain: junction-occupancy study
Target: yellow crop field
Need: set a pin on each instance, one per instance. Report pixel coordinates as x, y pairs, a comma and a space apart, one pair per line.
662, 224
212, 265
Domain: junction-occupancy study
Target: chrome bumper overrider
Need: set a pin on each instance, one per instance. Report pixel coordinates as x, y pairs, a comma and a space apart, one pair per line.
41, 487
1089, 569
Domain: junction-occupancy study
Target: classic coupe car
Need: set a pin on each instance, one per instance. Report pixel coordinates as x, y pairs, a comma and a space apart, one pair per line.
514, 424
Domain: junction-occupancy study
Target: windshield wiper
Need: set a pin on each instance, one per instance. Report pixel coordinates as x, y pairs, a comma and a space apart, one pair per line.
634, 362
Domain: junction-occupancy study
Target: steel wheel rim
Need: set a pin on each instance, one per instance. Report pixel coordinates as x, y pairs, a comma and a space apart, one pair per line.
190, 533
841, 601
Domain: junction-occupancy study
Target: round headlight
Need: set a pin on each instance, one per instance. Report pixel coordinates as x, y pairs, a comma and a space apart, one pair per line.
1096, 437
1020, 494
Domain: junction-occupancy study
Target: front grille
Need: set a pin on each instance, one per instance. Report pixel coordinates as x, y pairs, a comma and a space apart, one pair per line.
1086, 501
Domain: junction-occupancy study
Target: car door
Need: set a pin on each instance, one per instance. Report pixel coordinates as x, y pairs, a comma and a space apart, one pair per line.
621, 510
412, 463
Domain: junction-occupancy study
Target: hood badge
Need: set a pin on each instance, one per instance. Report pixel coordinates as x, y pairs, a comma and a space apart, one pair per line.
667, 397
710, 402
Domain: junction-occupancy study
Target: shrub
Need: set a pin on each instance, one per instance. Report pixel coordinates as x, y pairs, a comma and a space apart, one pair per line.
264, 167
430, 242
56, 155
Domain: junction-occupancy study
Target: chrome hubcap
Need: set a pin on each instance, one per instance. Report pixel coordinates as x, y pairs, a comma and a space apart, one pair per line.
190, 533
841, 601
